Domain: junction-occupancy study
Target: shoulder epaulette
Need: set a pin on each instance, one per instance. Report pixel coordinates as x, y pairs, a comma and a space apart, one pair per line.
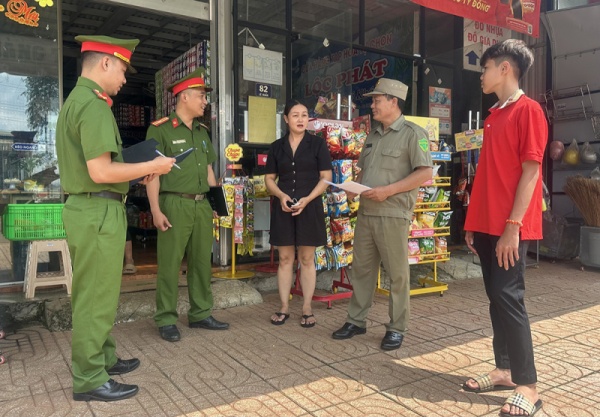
204, 126
160, 121
104, 96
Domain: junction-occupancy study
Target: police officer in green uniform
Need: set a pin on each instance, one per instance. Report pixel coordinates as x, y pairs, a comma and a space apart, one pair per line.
181, 212
394, 162
93, 174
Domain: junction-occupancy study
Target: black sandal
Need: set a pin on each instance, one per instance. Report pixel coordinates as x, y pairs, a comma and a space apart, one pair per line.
280, 322
306, 317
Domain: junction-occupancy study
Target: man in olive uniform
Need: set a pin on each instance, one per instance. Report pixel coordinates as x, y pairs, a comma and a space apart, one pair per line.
93, 174
181, 212
394, 162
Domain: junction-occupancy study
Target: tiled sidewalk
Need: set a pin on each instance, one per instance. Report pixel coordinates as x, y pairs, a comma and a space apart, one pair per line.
257, 369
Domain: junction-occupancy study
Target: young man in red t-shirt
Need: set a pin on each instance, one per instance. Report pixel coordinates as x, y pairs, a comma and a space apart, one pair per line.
504, 214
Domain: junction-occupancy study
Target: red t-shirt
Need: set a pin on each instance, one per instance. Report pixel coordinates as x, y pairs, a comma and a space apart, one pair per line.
513, 134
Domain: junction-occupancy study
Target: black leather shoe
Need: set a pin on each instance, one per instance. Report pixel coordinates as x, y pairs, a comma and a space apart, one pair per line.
392, 340
170, 333
348, 330
209, 323
109, 391
123, 366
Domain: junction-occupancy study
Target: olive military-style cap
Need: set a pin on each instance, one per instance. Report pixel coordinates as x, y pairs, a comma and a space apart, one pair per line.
392, 87
194, 79
120, 48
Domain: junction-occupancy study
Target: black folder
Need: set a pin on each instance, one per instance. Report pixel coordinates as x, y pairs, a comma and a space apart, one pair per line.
146, 151
216, 198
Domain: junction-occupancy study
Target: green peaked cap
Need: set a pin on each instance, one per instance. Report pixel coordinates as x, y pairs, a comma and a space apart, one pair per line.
120, 48
194, 79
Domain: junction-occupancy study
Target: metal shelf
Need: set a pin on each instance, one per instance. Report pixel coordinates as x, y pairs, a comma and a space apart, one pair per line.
557, 112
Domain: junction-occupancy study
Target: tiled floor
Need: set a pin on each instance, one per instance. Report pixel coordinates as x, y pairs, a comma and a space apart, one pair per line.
257, 369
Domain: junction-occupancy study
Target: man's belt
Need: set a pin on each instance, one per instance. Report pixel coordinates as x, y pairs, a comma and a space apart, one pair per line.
196, 197
110, 195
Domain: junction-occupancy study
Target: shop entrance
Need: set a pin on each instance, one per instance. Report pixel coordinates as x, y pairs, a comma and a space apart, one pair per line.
46, 59
164, 38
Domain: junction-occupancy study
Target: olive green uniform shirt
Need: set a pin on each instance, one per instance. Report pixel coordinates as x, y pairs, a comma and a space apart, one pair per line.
388, 157
173, 138
86, 129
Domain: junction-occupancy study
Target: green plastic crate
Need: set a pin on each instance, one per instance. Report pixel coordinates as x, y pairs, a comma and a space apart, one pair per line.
33, 222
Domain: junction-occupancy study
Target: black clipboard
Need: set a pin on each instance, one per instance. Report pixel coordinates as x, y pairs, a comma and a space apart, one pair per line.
140, 152
216, 198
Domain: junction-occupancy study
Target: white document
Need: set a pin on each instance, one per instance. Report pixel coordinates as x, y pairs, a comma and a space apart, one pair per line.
350, 186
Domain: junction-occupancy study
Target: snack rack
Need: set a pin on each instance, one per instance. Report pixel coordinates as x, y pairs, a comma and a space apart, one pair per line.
343, 282
429, 283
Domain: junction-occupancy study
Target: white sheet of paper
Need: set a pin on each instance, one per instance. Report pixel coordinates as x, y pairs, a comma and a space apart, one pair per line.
350, 186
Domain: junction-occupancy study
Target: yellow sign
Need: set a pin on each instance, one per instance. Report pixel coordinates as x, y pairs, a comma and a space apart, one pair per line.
262, 117
430, 124
470, 139
234, 152
22, 13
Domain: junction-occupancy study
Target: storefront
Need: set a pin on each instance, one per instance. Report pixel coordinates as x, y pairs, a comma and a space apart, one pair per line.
278, 49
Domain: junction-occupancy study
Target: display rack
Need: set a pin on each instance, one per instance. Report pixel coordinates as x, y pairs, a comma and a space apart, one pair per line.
233, 273
429, 283
344, 282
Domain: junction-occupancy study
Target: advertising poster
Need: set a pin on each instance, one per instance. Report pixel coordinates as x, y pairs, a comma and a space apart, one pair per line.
440, 106
519, 15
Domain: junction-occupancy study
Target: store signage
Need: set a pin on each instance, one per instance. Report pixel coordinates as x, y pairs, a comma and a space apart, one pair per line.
441, 156
28, 147
22, 13
262, 66
314, 125
477, 37
234, 152
263, 90
519, 15
468, 140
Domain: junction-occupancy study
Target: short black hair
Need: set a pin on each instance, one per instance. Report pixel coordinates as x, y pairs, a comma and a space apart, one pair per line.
90, 58
514, 50
292, 103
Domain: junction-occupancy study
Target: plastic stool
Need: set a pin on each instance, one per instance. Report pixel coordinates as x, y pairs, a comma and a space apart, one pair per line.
34, 279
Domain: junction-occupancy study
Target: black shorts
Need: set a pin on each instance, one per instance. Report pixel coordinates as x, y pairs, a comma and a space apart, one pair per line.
305, 229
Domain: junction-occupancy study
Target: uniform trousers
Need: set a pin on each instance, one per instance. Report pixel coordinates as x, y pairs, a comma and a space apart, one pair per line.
191, 235
380, 240
513, 347
95, 229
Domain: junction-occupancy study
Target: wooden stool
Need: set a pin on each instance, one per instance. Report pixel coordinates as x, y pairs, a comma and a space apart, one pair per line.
34, 279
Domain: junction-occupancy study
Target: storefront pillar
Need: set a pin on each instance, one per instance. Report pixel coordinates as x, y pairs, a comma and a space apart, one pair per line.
221, 34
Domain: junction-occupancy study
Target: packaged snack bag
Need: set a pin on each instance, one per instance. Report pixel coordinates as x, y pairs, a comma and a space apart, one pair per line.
429, 194
413, 247
426, 219
441, 247
442, 219
340, 200
427, 245
334, 142
420, 195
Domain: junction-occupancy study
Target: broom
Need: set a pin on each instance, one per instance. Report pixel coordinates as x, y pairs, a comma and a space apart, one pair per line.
585, 193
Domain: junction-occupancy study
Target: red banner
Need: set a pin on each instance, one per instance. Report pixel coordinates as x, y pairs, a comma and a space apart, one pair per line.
519, 15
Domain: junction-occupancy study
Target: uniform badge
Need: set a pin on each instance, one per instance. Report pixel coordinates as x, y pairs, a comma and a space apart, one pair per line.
175, 122
424, 144
178, 141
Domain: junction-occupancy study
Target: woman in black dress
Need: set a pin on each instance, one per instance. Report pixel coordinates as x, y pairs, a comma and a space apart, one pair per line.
301, 161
